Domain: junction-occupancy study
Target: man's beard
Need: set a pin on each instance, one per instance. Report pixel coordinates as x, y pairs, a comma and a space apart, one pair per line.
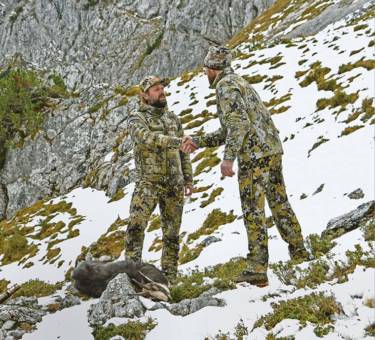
211, 80
159, 103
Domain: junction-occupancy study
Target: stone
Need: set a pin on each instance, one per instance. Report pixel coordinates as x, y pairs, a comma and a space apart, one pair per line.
350, 221
118, 300
189, 306
210, 239
8, 324
356, 194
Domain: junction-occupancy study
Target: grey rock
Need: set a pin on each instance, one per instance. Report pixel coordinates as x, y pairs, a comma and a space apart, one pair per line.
21, 314
331, 14
350, 221
24, 301
8, 325
119, 42
188, 306
118, 300
105, 258
15, 334
210, 239
319, 189
356, 194
67, 301
46, 167
117, 337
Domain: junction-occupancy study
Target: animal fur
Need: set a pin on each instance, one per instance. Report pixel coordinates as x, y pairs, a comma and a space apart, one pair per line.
91, 278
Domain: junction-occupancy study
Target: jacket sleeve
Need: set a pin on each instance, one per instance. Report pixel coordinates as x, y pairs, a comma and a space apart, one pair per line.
235, 118
185, 158
212, 139
140, 133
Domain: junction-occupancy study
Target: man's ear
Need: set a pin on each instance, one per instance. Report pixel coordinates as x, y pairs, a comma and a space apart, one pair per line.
144, 96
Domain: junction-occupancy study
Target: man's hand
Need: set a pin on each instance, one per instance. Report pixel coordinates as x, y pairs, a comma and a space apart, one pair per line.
187, 145
227, 168
188, 189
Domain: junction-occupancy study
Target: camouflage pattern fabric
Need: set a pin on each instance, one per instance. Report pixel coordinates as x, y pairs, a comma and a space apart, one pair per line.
162, 171
145, 197
157, 134
247, 129
218, 58
149, 81
259, 180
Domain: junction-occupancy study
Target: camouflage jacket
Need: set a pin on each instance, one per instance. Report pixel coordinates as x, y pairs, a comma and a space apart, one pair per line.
247, 129
156, 135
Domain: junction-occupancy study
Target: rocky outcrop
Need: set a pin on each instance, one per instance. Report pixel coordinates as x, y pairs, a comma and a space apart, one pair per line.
352, 220
189, 306
17, 316
76, 137
90, 42
331, 14
118, 300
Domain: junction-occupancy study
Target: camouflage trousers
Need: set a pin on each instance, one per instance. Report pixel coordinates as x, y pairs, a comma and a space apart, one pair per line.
145, 197
262, 179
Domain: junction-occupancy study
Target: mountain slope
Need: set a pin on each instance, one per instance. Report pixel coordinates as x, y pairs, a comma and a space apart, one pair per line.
320, 91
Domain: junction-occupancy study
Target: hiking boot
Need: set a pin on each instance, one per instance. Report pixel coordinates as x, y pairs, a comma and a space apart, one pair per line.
298, 254
256, 279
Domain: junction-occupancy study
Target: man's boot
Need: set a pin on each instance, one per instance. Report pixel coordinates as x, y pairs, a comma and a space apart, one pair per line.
256, 279
298, 253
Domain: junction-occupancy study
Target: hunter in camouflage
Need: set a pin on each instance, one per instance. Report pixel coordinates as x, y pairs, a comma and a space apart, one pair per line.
164, 174
250, 135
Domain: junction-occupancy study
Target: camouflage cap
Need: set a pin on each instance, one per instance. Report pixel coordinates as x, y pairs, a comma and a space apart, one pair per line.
218, 57
149, 81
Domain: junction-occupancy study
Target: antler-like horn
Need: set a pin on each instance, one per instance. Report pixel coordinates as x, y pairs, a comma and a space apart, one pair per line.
8, 293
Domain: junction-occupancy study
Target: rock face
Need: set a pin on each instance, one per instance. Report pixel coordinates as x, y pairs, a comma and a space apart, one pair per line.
118, 300
350, 221
90, 42
331, 14
93, 45
73, 144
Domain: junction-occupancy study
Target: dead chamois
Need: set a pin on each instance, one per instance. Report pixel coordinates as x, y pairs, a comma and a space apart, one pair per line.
91, 278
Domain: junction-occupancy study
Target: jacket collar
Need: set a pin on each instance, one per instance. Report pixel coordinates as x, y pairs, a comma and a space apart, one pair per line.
155, 111
221, 75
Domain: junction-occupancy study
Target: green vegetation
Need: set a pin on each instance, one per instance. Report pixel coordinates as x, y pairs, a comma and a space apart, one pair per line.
319, 246
37, 288
350, 129
339, 99
317, 74
154, 224
23, 99
214, 220
272, 17
3, 285
193, 284
321, 140
112, 243
209, 160
16, 235
367, 64
370, 329
134, 330
315, 308
215, 193
240, 331
322, 270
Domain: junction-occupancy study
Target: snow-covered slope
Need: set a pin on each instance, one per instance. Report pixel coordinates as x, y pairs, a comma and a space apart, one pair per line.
320, 89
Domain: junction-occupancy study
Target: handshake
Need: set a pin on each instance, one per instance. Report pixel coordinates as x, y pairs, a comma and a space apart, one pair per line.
187, 145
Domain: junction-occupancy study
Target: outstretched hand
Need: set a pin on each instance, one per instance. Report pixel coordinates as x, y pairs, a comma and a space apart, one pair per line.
227, 168
187, 145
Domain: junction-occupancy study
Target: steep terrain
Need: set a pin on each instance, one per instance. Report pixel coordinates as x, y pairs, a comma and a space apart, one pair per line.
319, 88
